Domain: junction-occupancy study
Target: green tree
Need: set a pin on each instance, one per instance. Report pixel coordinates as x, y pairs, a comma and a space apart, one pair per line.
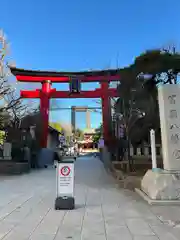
2, 136
79, 135
56, 126
138, 105
163, 65
98, 133
138, 90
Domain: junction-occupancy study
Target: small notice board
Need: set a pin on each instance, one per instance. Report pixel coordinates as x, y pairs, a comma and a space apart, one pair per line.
62, 139
65, 179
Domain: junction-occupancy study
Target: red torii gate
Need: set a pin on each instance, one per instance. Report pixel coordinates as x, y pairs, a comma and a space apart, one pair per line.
46, 78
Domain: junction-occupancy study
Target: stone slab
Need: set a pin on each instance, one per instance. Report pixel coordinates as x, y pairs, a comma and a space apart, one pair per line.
169, 111
7, 149
102, 212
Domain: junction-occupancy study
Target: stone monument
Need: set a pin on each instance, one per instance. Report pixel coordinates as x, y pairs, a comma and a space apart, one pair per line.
7, 148
163, 185
169, 107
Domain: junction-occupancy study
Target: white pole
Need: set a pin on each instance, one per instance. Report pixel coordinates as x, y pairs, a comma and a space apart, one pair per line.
153, 149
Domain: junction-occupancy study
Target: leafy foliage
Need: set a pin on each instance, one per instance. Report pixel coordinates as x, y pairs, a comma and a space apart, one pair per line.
56, 126
2, 136
78, 134
138, 91
98, 134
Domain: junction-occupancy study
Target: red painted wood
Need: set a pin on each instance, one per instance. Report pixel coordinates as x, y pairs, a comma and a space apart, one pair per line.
44, 109
66, 79
106, 110
30, 94
98, 93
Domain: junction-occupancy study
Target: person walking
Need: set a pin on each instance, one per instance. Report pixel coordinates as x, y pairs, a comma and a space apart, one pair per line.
100, 147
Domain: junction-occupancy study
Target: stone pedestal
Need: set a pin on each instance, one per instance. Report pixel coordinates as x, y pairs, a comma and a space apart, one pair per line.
161, 185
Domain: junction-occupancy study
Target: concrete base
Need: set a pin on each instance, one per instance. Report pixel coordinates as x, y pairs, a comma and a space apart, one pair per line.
106, 158
162, 186
7, 158
156, 202
64, 203
45, 157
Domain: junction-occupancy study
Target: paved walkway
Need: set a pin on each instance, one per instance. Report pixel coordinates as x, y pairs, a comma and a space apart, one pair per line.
102, 212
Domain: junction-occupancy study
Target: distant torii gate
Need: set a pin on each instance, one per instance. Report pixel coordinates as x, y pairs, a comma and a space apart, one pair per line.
46, 78
74, 110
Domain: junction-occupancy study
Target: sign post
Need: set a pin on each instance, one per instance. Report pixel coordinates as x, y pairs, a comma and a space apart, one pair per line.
153, 149
65, 185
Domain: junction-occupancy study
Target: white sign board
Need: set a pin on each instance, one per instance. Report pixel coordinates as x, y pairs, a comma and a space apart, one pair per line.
65, 179
169, 107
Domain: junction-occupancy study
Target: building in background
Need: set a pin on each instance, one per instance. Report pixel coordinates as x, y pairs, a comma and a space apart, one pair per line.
53, 138
31, 126
87, 142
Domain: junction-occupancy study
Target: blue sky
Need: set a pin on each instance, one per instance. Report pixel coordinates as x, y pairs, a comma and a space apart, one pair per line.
79, 35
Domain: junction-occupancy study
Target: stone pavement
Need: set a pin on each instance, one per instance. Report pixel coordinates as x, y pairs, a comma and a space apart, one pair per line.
103, 212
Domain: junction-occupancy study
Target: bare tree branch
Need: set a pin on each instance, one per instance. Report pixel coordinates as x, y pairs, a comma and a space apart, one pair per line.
12, 108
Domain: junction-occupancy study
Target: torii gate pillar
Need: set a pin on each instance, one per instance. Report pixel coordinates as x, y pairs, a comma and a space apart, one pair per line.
44, 110
106, 111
